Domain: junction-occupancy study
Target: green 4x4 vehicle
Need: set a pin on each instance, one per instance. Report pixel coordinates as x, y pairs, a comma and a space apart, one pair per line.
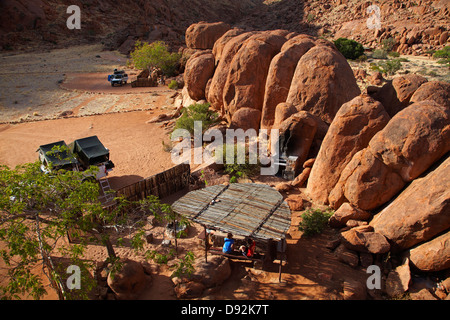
79, 155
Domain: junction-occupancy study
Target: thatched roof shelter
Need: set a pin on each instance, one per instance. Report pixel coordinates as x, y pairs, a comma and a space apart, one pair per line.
245, 209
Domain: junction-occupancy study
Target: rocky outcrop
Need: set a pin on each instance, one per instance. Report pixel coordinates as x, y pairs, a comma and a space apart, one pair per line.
280, 75
419, 213
258, 70
219, 79
345, 213
436, 91
322, 82
203, 35
414, 27
433, 255
22, 15
395, 95
354, 125
409, 144
199, 69
246, 118
128, 282
248, 72
296, 136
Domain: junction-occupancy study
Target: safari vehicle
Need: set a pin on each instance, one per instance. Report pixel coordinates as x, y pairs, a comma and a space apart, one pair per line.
91, 152
77, 156
58, 155
119, 77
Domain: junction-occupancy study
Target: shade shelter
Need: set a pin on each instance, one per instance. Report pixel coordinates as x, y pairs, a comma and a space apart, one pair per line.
250, 210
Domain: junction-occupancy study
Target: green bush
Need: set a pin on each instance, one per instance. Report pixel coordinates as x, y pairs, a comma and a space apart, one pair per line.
388, 67
314, 221
196, 112
350, 49
362, 58
173, 85
379, 54
155, 55
394, 54
238, 170
234, 169
388, 44
443, 55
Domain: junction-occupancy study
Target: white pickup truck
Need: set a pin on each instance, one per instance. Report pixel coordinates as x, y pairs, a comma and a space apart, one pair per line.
119, 77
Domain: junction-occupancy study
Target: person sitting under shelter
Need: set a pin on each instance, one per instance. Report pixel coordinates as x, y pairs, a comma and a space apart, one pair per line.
228, 244
249, 249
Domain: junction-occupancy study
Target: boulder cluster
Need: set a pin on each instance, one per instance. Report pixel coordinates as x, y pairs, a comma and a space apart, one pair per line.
272, 79
414, 27
384, 166
381, 157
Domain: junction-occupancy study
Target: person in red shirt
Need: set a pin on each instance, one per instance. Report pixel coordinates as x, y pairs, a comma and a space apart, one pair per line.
249, 249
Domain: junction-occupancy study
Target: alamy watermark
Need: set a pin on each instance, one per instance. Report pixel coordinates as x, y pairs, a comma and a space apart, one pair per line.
74, 280
257, 143
374, 280
74, 20
374, 21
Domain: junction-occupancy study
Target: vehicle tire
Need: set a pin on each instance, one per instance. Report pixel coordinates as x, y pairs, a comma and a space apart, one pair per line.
112, 84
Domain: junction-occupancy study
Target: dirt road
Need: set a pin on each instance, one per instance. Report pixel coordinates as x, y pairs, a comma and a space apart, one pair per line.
135, 147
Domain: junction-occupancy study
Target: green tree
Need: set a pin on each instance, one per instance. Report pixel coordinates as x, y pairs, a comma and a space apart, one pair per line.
350, 49
155, 55
196, 112
38, 210
163, 213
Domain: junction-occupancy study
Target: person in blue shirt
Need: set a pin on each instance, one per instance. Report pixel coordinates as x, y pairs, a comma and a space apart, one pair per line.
228, 244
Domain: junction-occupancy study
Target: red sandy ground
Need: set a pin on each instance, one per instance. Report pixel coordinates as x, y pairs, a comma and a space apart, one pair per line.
312, 271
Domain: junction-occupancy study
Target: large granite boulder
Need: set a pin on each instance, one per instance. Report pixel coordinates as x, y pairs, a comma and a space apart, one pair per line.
395, 95
354, 125
409, 144
280, 75
203, 35
199, 69
433, 255
437, 91
419, 213
128, 282
323, 81
247, 75
219, 79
